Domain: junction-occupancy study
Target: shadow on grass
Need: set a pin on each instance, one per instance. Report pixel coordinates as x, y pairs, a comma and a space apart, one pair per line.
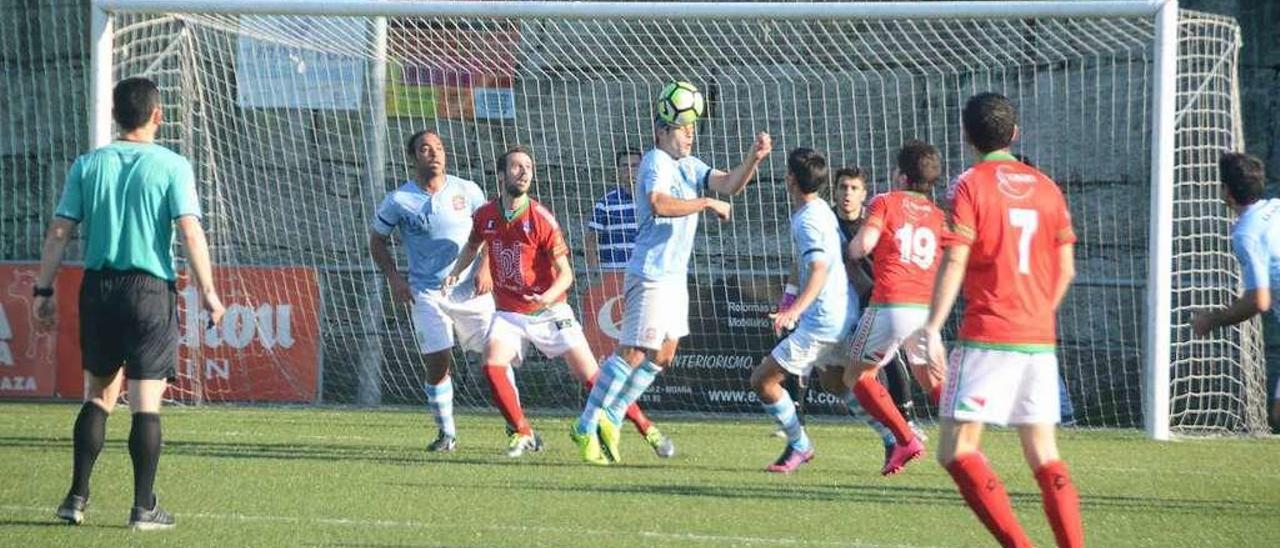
330, 452
880, 492
56, 523
873, 494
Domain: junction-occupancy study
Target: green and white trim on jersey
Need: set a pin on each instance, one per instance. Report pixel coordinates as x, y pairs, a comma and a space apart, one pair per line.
1028, 348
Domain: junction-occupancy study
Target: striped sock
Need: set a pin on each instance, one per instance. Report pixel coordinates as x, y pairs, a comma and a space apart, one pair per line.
440, 400
783, 412
860, 414
639, 381
608, 384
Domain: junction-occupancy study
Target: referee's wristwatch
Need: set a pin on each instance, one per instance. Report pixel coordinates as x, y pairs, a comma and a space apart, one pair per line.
37, 291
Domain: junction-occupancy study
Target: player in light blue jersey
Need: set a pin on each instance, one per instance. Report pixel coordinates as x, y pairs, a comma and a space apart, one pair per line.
670, 193
433, 212
1256, 240
821, 315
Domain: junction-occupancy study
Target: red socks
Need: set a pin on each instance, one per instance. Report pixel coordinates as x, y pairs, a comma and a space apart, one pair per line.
634, 414
1061, 504
504, 396
876, 401
987, 498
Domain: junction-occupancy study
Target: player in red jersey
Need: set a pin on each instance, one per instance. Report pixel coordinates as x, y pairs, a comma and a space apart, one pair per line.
1012, 248
903, 233
529, 262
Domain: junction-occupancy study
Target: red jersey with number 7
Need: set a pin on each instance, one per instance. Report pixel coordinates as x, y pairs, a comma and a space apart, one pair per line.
1014, 219
522, 252
906, 257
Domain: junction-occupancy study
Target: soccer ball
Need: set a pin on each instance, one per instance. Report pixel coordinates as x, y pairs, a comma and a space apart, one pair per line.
680, 104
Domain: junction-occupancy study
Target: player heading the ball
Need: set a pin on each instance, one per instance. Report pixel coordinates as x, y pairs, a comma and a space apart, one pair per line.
671, 191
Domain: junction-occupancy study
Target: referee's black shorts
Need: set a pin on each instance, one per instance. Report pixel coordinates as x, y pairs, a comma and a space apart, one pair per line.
128, 319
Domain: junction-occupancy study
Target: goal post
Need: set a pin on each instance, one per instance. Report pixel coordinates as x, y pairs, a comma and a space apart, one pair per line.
1121, 100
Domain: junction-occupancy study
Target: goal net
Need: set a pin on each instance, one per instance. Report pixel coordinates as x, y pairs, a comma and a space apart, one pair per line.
296, 125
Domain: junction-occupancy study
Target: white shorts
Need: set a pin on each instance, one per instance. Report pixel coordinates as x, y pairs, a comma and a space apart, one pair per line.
799, 353
437, 316
1001, 387
881, 330
653, 312
553, 331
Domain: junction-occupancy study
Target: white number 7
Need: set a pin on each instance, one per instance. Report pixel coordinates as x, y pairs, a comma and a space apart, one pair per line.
1026, 221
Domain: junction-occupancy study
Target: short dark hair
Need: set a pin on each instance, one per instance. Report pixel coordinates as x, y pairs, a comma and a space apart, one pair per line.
852, 172
921, 163
411, 145
132, 102
1243, 175
989, 120
625, 153
809, 168
502, 160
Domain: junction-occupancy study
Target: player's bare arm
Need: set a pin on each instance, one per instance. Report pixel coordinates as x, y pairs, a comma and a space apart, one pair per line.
564, 279
380, 251
735, 180
864, 241
666, 205
465, 258
55, 245
484, 276
201, 266
786, 319
1248, 305
1066, 273
925, 344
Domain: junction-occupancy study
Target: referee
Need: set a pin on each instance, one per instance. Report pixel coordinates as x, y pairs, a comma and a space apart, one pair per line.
127, 196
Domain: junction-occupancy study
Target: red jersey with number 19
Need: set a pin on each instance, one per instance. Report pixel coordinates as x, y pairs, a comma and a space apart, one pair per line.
906, 257
1014, 219
522, 252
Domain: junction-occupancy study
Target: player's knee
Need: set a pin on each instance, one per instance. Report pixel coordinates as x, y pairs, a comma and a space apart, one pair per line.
760, 378
632, 355
106, 407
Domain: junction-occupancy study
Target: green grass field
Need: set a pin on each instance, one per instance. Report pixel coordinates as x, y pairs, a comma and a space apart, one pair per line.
321, 477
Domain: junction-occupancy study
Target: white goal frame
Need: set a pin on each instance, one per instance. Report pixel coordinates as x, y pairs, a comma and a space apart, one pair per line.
1156, 374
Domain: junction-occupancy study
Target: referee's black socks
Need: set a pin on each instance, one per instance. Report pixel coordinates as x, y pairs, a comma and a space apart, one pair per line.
87, 437
144, 449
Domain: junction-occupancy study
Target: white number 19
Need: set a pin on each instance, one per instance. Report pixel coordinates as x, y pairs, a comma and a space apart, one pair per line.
1026, 221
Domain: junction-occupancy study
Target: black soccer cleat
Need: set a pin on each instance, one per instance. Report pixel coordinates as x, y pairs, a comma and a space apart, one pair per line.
142, 519
72, 509
444, 443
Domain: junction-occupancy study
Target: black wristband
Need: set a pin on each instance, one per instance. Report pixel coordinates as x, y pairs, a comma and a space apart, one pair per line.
41, 291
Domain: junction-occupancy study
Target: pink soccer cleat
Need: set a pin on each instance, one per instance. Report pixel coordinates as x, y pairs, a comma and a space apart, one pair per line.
901, 455
790, 460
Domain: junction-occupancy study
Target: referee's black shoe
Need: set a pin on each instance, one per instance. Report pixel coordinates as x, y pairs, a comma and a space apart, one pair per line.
142, 519
72, 509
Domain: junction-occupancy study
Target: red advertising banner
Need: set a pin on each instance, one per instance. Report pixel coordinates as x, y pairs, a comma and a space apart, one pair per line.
602, 314
266, 349
28, 356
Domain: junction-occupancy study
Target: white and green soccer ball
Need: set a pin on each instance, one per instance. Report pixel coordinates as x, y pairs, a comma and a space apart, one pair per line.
680, 104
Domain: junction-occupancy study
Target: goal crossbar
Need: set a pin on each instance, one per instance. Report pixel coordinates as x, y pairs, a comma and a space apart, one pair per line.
652, 10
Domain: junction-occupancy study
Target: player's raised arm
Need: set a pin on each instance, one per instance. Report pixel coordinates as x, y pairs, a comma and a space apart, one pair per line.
735, 180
